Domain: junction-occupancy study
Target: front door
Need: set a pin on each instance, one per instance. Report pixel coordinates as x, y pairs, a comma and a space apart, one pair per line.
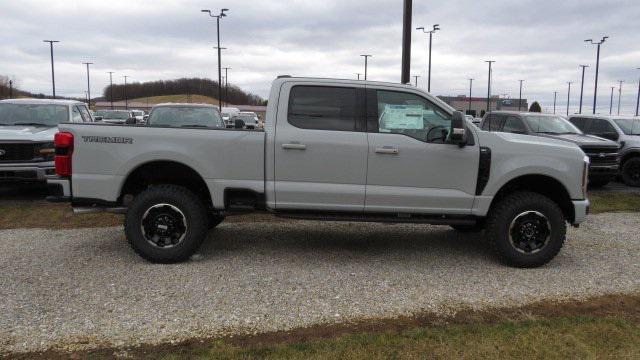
412, 166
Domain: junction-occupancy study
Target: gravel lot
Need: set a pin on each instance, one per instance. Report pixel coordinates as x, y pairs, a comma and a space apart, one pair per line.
86, 288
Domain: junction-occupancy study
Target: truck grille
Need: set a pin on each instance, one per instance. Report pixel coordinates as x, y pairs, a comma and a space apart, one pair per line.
602, 155
16, 152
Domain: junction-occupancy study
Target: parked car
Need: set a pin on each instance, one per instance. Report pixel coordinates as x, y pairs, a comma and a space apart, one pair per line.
138, 114
331, 150
227, 113
115, 116
27, 128
625, 131
185, 115
249, 118
603, 154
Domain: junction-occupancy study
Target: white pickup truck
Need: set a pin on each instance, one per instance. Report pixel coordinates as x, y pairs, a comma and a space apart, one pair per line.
330, 150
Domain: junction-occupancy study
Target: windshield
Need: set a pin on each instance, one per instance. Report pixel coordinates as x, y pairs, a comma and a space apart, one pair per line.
113, 114
550, 125
30, 114
138, 112
629, 126
185, 117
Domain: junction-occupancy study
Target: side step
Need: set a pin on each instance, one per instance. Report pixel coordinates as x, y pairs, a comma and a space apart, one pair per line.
383, 218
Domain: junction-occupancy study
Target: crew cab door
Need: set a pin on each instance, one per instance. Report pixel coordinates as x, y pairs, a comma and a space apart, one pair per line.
412, 166
320, 147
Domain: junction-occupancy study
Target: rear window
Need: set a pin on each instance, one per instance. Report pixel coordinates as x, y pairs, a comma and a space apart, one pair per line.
30, 114
323, 108
187, 116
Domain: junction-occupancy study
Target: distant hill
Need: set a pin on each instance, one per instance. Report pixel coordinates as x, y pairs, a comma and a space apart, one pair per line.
180, 98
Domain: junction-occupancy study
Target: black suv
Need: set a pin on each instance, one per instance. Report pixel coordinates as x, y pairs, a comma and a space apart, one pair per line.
603, 153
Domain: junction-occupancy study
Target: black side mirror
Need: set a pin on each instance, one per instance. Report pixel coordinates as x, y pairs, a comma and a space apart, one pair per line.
130, 121
97, 118
238, 124
458, 129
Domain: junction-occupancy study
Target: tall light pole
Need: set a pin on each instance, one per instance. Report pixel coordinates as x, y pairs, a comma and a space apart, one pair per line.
489, 85
53, 76
226, 84
436, 27
568, 95
126, 100
555, 97
218, 17
366, 57
358, 74
520, 96
111, 87
11, 91
638, 98
611, 101
406, 41
88, 84
416, 79
619, 94
470, 87
595, 91
582, 87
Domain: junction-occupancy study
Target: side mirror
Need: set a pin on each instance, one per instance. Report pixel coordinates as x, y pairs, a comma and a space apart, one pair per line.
238, 124
458, 129
97, 118
130, 121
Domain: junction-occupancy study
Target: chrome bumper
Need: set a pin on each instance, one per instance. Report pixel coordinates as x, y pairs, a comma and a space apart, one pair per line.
580, 210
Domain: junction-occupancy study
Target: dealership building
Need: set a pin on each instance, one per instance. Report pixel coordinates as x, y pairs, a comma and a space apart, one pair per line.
477, 106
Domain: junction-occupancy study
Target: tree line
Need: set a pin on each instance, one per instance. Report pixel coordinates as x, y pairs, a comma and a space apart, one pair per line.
190, 86
7, 91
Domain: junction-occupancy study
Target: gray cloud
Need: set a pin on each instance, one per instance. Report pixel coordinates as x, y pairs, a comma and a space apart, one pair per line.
539, 41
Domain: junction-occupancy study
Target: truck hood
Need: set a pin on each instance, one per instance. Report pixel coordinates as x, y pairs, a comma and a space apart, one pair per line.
27, 133
583, 140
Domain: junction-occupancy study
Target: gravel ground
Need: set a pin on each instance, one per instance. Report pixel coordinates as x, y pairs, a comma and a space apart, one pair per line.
85, 288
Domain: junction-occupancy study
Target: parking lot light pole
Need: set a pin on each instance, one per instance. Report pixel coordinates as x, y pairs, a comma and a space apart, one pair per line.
126, 100
611, 101
226, 84
405, 69
638, 98
111, 87
436, 27
568, 95
595, 91
555, 97
218, 17
619, 94
489, 86
358, 74
520, 96
11, 91
366, 57
88, 84
53, 76
416, 79
582, 87
470, 87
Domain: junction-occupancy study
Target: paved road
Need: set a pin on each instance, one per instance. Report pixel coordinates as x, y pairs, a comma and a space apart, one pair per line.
86, 287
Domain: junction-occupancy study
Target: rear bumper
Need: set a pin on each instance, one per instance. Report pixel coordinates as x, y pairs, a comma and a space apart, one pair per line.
59, 189
580, 210
26, 172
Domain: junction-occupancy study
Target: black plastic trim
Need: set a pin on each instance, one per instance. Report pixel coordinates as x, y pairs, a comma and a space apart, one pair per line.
434, 219
484, 169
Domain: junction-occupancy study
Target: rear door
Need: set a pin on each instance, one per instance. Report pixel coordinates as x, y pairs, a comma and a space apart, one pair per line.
412, 166
320, 147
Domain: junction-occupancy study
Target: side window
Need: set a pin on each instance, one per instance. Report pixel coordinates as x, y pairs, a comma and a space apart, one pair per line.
496, 122
75, 114
86, 116
412, 115
581, 123
486, 123
513, 124
600, 126
323, 108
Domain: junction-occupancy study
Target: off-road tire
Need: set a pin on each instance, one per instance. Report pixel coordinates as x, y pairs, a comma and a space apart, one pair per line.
506, 210
195, 214
629, 168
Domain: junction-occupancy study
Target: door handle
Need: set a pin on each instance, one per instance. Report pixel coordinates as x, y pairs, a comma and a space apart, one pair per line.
294, 146
387, 150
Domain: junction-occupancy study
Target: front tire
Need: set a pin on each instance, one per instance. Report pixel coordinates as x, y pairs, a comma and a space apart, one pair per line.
166, 224
631, 172
526, 229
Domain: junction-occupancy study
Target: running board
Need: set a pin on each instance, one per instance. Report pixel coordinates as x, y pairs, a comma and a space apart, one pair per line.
383, 218
93, 209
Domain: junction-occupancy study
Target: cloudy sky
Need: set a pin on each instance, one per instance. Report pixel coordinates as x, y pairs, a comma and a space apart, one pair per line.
538, 41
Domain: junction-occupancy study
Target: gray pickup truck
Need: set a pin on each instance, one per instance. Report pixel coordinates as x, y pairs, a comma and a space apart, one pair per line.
27, 127
330, 150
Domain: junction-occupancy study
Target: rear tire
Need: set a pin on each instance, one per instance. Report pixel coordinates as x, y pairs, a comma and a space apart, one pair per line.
631, 172
166, 224
526, 229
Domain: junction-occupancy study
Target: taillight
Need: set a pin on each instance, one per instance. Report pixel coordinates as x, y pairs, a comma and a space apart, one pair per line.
63, 141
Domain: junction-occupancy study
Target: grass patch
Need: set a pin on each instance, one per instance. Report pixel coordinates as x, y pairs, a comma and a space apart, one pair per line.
610, 201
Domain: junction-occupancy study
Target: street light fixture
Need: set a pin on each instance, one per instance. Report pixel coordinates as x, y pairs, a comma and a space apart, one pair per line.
582, 87
436, 27
88, 84
595, 91
218, 17
53, 77
366, 57
489, 85
111, 87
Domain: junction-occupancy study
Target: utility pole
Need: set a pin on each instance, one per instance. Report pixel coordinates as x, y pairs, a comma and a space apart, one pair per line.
53, 76
582, 87
619, 94
611, 101
568, 96
555, 96
595, 91
436, 27
358, 74
365, 65
470, 87
226, 85
520, 97
489, 86
126, 100
406, 42
416, 79
111, 87
218, 17
88, 84
638, 98
11, 91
